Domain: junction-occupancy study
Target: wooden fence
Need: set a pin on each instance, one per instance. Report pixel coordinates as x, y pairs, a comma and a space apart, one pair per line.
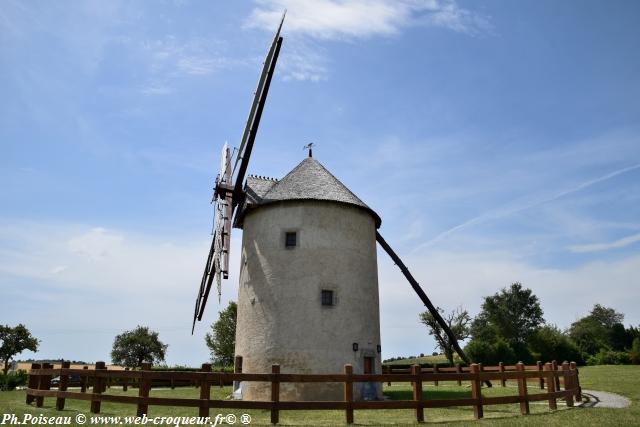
562, 383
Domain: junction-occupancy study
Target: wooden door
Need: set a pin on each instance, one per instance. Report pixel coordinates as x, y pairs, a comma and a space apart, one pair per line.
368, 365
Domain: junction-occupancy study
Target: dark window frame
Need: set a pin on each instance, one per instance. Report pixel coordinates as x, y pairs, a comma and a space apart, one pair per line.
288, 243
327, 297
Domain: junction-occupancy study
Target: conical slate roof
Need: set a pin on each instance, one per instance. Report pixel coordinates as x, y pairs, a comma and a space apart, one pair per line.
307, 181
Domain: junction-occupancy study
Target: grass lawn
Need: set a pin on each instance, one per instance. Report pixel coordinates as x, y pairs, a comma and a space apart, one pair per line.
624, 380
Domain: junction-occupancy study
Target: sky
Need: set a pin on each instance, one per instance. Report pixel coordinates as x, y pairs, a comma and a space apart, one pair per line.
498, 141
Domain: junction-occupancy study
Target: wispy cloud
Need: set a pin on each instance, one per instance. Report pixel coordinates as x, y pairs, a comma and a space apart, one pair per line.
341, 20
598, 247
337, 19
474, 275
81, 270
170, 58
304, 61
525, 203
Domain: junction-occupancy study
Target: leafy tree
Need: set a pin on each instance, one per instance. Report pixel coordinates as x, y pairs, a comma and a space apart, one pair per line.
14, 341
588, 335
601, 329
132, 348
607, 317
619, 337
634, 354
513, 314
481, 351
222, 339
549, 343
458, 321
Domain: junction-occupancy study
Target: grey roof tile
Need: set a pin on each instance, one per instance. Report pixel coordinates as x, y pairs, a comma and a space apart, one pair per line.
307, 181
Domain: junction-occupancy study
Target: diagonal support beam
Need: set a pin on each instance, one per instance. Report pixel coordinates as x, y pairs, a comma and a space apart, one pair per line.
425, 299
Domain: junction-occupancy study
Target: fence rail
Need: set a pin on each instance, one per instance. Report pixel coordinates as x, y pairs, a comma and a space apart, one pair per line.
562, 383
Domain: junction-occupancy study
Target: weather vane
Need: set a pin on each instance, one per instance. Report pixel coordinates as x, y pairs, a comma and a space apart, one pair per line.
309, 145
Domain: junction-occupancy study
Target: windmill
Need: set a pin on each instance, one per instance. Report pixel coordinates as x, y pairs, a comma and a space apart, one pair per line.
232, 198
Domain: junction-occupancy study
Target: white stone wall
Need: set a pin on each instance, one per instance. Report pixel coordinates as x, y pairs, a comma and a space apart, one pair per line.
280, 316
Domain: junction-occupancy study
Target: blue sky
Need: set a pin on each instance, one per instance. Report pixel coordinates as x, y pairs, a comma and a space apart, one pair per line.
499, 142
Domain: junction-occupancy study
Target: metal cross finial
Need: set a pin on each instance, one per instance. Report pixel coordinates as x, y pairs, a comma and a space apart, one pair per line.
309, 145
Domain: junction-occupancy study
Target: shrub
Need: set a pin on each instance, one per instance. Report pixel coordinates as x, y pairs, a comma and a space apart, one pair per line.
12, 380
609, 357
490, 353
549, 343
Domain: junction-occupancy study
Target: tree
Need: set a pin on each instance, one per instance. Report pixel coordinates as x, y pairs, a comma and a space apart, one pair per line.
499, 350
131, 348
512, 314
549, 343
458, 321
607, 317
222, 339
634, 354
15, 341
601, 329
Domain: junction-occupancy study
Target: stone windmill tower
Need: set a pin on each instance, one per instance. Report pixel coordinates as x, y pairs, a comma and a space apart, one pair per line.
308, 295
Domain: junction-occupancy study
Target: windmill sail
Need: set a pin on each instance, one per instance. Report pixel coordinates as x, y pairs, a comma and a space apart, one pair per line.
258, 94
226, 195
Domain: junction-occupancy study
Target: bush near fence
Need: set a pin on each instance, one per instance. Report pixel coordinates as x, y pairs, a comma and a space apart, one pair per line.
561, 382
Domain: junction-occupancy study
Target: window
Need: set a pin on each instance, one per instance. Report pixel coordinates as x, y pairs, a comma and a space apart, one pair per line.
327, 297
290, 239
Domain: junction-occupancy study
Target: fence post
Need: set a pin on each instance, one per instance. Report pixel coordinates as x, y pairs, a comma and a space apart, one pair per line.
576, 381
64, 382
568, 384
417, 392
541, 379
33, 383
459, 371
97, 388
143, 389
554, 365
125, 381
503, 380
386, 370
275, 394
551, 384
44, 383
435, 371
205, 391
348, 392
476, 384
522, 389
84, 383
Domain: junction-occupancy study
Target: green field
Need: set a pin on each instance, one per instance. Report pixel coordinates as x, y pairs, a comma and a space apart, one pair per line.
624, 380
424, 360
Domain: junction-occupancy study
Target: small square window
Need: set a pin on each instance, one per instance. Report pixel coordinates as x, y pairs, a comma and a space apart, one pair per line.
327, 297
290, 239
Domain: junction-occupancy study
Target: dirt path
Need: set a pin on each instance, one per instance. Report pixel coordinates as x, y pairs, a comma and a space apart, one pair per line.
603, 399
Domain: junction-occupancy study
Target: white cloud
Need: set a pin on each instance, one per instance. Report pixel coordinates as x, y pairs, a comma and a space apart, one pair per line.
304, 61
597, 247
81, 282
527, 202
338, 19
342, 20
84, 271
453, 279
170, 58
95, 244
